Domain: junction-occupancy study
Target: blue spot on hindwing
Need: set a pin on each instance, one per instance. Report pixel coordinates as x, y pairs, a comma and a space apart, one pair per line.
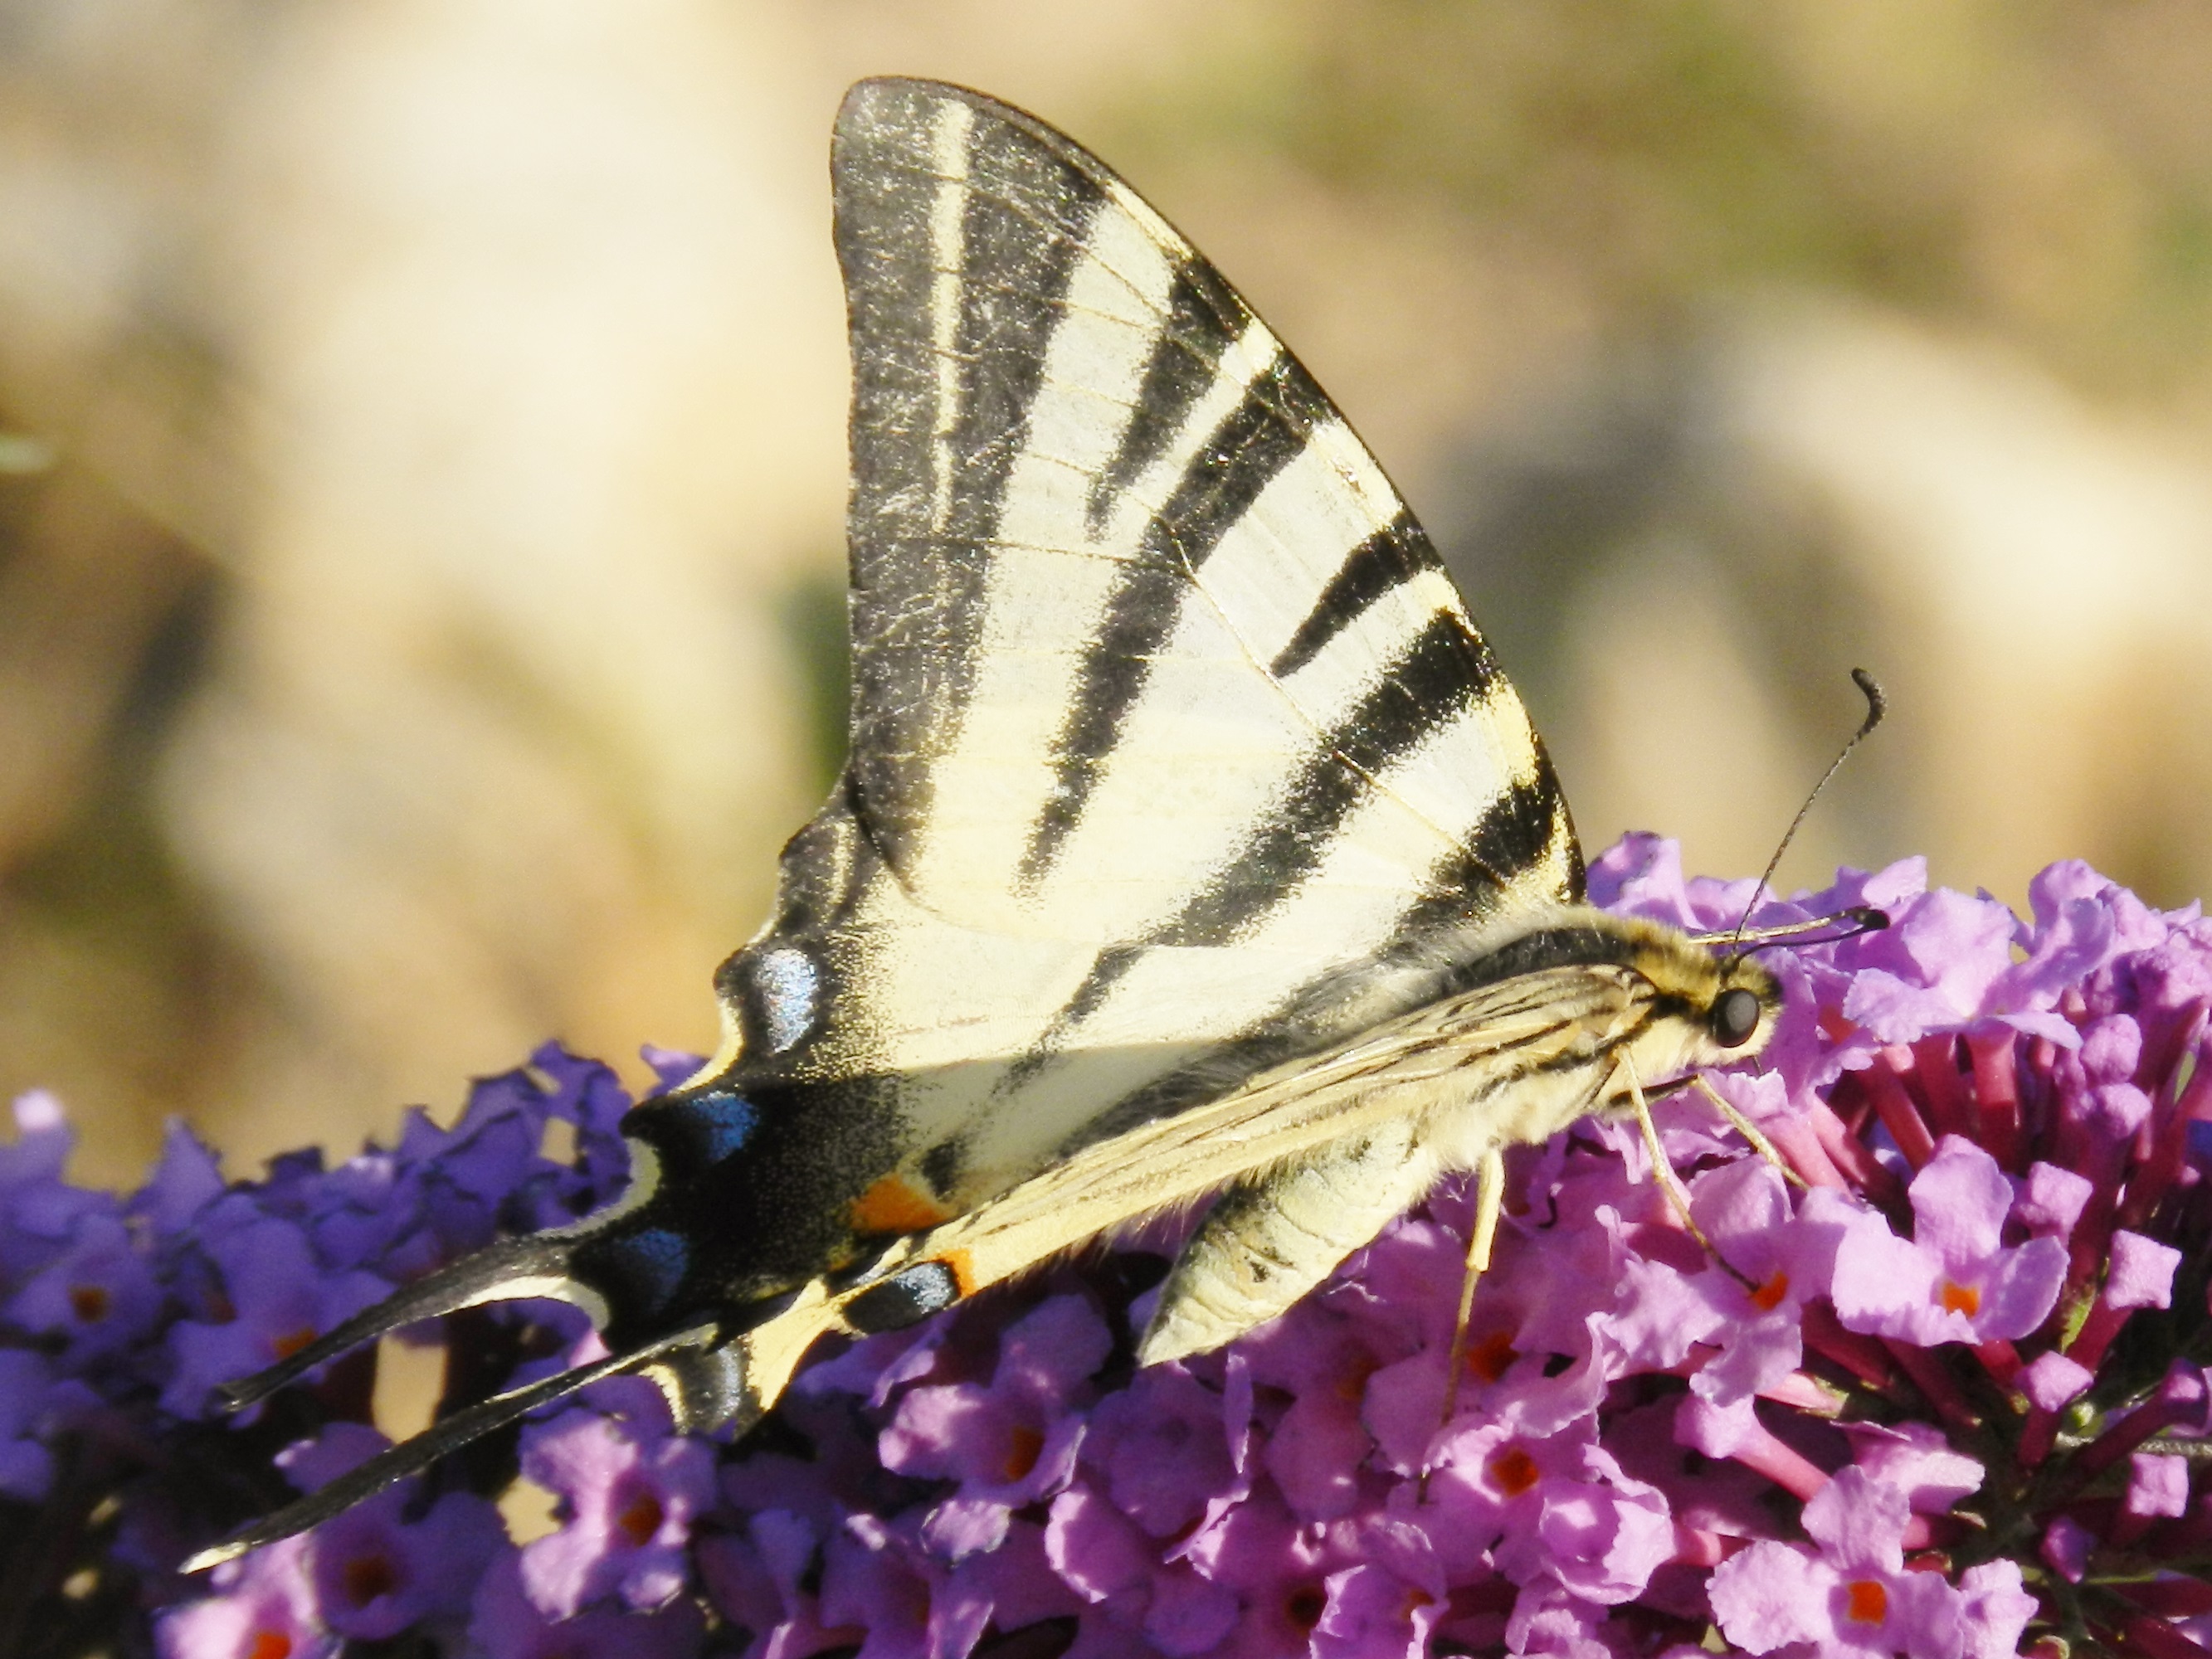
719, 1123
908, 1296
651, 1263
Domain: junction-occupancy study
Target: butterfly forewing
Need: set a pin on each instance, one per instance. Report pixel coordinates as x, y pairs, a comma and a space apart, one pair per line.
1164, 711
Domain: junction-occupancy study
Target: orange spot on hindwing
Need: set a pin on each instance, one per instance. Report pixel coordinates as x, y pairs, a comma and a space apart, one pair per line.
893, 1204
957, 1263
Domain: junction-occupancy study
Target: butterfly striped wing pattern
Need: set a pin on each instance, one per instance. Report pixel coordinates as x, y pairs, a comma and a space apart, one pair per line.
1166, 712
1190, 843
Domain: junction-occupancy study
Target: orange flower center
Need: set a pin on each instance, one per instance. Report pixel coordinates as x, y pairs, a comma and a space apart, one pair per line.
1768, 1296
1025, 1444
269, 1644
291, 1342
1352, 1386
1866, 1601
640, 1520
1515, 1471
88, 1302
368, 1577
1492, 1357
1961, 1299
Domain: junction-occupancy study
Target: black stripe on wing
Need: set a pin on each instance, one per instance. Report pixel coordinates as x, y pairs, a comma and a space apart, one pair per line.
1526, 826
1443, 673
918, 613
1392, 556
1252, 443
1203, 315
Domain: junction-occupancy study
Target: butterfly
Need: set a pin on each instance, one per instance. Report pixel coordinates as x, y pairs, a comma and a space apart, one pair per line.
1192, 845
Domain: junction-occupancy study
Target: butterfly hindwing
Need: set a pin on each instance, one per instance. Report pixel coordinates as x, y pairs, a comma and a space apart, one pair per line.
1164, 711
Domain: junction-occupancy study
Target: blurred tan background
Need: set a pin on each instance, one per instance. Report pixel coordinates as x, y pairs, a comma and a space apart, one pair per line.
422, 461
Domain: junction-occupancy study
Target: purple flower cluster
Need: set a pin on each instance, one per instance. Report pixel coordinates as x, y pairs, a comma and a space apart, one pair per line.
1935, 1388
119, 1314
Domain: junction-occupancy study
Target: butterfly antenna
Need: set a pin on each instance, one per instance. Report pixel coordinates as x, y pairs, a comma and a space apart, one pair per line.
1877, 706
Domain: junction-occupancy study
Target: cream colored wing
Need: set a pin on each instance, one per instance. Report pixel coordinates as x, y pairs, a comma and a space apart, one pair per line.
1164, 710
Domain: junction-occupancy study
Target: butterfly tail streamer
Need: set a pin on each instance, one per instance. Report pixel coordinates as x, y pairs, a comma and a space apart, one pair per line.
512, 1268
708, 1382
413, 1456
732, 1384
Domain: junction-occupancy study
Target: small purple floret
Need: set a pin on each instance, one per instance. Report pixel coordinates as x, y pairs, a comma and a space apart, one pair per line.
628, 1497
1953, 1281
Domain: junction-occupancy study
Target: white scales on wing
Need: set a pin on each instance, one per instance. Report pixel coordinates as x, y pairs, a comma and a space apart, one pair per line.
1072, 889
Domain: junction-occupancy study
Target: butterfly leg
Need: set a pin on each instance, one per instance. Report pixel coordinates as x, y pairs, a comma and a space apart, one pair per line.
1489, 1199
1662, 1170
1750, 1131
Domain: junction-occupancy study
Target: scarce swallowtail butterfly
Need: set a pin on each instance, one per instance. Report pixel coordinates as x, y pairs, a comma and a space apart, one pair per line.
1191, 845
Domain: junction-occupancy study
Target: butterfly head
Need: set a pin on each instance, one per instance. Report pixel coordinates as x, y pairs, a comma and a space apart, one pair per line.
1704, 1009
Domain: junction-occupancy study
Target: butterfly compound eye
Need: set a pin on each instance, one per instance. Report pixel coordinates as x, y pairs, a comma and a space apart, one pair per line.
1735, 1017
